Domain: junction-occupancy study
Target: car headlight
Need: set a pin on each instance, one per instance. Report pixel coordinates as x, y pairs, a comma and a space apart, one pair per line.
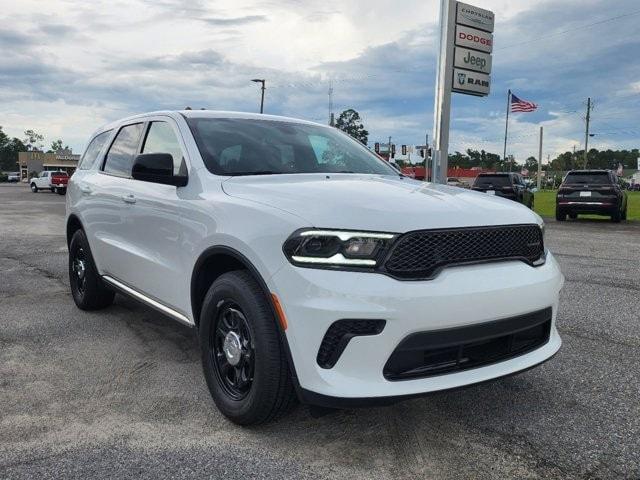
337, 248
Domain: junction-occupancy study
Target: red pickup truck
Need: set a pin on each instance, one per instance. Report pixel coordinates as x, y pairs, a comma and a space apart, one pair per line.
54, 181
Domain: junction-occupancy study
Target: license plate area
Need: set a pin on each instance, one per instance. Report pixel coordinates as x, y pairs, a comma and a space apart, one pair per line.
585, 194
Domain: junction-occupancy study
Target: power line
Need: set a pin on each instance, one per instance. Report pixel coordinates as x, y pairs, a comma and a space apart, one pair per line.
564, 32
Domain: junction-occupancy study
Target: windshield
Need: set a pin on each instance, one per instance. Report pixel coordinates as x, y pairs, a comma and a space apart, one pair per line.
492, 181
593, 178
232, 146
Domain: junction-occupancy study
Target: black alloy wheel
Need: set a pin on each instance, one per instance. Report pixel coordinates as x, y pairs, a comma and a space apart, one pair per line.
233, 350
79, 268
87, 288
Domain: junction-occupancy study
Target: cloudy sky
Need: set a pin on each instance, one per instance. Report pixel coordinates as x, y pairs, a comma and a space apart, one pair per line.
67, 66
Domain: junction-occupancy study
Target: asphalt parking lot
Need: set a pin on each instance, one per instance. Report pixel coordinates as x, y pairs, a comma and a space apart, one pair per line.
120, 393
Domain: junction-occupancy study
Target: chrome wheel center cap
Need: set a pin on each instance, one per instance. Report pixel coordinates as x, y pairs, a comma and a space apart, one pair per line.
80, 268
232, 348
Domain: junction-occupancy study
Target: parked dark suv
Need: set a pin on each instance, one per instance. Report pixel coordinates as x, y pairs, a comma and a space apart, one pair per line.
507, 185
591, 192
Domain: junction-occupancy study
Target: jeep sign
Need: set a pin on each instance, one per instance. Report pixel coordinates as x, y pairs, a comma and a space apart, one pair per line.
475, 17
471, 83
472, 38
472, 60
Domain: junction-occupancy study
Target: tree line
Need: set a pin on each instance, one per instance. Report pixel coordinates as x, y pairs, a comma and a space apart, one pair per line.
32, 141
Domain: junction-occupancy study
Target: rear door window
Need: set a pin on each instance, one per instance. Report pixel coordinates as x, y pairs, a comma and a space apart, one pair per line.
162, 139
96, 145
123, 150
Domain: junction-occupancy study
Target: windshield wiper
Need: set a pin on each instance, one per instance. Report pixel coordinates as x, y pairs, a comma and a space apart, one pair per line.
257, 172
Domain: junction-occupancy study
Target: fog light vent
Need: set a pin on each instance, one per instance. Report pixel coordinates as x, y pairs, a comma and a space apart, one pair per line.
340, 333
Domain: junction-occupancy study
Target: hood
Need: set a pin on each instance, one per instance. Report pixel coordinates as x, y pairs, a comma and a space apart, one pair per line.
377, 203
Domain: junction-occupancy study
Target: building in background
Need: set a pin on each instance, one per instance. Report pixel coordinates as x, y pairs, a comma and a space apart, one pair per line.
35, 161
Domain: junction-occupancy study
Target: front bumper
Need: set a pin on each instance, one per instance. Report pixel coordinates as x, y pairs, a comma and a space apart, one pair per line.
459, 296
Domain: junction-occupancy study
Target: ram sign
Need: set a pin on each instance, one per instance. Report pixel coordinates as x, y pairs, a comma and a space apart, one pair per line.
471, 83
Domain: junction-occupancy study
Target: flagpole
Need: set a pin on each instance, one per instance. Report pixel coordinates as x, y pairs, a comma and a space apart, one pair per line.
506, 128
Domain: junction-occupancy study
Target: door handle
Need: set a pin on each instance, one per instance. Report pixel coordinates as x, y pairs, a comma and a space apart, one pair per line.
85, 189
128, 199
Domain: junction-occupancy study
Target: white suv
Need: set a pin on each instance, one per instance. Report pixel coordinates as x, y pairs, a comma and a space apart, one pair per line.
310, 267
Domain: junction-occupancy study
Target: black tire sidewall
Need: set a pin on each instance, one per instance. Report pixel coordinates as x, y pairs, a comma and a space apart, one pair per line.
95, 295
240, 288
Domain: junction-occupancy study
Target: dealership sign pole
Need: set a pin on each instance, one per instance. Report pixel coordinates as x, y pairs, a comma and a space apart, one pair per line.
464, 65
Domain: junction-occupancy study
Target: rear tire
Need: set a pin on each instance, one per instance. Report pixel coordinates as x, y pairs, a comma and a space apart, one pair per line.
560, 215
624, 213
87, 288
61, 191
573, 216
237, 325
616, 216
34, 188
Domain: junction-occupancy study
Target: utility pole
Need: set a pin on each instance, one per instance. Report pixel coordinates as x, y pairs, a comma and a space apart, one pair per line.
389, 151
586, 135
426, 159
540, 160
262, 81
331, 118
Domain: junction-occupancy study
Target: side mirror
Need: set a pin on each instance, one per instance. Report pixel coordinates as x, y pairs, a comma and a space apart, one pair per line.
157, 168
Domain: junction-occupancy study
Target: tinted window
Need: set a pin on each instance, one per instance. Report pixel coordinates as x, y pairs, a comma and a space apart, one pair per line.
123, 150
90, 156
593, 178
162, 139
249, 147
492, 181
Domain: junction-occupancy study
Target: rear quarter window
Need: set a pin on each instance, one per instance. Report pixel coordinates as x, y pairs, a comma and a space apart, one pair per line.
93, 150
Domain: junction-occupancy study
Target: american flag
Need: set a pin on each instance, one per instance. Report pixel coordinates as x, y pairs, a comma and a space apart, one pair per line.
518, 105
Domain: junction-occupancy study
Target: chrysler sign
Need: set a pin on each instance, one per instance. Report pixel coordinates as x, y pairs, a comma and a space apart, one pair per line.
472, 38
475, 17
473, 83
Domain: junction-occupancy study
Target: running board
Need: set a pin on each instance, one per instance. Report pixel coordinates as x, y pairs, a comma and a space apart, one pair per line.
147, 300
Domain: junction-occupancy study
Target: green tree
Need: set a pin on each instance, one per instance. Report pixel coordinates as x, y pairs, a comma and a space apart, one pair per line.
9, 148
56, 146
33, 140
350, 122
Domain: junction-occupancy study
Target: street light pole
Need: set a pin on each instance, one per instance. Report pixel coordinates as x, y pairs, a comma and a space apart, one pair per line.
262, 81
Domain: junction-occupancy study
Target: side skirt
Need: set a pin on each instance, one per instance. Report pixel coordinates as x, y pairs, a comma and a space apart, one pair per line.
127, 290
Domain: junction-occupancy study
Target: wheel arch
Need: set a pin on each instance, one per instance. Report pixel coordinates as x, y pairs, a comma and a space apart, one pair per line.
73, 225
212, 263
217, 260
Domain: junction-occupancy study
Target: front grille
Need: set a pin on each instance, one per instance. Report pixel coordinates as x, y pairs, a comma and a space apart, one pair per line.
439, 352
338, 336
421, 254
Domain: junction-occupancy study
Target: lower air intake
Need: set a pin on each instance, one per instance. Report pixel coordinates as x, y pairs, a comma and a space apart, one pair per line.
439, 352
338, 336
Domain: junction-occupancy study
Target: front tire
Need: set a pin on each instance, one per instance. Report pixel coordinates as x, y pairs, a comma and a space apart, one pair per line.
34, 188
243, 358
87, 288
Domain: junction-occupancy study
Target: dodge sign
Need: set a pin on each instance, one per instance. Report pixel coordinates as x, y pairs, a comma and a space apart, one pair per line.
472, 38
